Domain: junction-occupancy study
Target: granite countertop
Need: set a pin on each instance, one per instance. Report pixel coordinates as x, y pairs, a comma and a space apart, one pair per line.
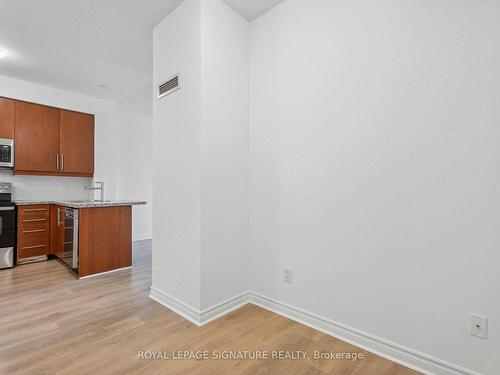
81, 203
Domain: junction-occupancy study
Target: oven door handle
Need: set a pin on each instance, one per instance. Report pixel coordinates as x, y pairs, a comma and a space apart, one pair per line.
75, 240
6, 208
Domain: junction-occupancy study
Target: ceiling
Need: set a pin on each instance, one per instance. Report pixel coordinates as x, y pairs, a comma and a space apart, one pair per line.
101, 48
251, 9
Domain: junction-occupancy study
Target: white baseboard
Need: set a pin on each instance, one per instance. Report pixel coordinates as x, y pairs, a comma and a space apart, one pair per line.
405, 356
223, 308
195, 316
183, 309
140, 237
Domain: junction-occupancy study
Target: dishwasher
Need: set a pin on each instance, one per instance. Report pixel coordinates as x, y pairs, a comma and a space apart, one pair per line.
70, 256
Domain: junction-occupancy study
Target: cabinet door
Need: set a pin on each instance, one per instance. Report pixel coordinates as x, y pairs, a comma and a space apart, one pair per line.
57, 230
7, 118
32, 231
77, 143
36, 138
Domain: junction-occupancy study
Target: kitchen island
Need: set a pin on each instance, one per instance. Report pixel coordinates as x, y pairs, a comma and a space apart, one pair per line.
90, 237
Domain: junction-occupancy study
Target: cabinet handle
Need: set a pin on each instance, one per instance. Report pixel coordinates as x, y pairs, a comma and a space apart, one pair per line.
34, 209
62, 162
34, 230
32, 220
57, 161
33, 247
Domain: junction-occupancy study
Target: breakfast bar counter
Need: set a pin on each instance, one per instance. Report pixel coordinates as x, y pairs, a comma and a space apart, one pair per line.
89, 237
81, 203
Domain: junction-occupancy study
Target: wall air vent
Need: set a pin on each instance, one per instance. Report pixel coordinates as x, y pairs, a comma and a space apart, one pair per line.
168, 86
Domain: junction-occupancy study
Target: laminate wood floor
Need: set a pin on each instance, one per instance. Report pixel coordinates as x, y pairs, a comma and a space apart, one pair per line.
52, 323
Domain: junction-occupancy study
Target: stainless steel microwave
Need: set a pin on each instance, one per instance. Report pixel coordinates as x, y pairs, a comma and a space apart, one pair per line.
6, 153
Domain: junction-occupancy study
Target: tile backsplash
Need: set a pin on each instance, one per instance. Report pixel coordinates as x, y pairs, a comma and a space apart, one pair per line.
45, 187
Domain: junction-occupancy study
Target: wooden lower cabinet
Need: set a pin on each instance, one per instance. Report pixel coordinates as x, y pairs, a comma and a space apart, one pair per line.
105, 239
33, 231
105, 236
57, 230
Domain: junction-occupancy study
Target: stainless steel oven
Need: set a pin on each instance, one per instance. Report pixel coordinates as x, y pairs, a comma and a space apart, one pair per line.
70, 256
7, 226
6, 153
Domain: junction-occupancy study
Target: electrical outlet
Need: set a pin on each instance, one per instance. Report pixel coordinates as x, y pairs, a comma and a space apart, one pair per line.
287, 274
478, 325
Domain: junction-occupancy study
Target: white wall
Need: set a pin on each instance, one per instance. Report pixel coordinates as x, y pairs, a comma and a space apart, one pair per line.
115, 131
176, 156
134, 169
225, 147
200, 248
375, 168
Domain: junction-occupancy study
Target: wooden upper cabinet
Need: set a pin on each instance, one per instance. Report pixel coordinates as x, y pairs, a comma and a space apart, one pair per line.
76, 143
7, 111
36, 138
48, 141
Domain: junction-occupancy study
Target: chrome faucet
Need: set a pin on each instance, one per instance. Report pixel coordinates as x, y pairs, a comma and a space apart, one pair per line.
100, 187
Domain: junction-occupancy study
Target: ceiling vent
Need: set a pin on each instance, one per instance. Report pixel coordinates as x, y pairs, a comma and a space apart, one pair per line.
168, 86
